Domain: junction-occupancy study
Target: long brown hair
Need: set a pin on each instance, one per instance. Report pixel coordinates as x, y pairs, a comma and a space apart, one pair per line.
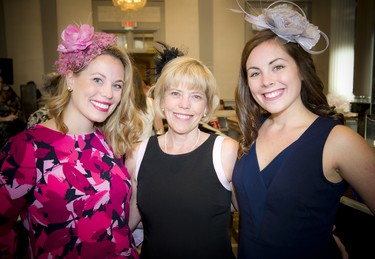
140, 96
249, 112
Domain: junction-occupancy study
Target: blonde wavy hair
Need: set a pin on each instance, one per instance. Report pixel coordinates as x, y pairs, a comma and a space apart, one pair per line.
122, 128
189, 72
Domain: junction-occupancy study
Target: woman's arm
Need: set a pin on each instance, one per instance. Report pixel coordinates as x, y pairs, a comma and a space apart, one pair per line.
130, 164
353, 159
229, 151
17, 178
134, 215
10, 117
158, 122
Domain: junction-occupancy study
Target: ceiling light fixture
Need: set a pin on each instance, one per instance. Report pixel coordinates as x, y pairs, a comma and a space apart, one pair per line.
129, 5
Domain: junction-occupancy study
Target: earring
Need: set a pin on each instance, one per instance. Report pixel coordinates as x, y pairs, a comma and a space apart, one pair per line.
204, 115
70, 89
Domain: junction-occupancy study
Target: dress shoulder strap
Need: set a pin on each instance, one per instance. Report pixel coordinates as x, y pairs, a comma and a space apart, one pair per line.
141, 153
216, 158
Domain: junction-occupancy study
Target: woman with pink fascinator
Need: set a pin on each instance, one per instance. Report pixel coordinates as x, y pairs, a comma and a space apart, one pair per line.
296, 158
65, 177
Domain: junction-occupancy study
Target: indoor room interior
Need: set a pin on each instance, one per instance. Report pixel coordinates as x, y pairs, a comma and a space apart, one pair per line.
210, 31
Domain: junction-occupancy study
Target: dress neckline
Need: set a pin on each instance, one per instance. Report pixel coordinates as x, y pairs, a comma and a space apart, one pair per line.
285, 149
95, 132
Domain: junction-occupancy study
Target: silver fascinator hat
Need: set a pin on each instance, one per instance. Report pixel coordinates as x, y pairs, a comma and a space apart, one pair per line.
288, 24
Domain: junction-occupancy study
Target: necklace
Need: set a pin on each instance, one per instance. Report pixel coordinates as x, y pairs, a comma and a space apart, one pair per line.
196, 143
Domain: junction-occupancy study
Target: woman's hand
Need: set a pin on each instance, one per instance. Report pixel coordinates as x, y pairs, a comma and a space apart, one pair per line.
10, 117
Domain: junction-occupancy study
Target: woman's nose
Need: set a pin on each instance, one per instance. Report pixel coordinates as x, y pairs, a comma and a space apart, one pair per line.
268, 80
107, 91
185, 102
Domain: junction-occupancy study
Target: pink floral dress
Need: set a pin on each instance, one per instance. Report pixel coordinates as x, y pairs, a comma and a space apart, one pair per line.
71, 193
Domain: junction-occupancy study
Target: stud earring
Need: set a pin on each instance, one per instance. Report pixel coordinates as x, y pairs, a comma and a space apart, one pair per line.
70, 89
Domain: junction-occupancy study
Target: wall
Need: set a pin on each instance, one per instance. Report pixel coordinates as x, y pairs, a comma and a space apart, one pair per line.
3, 45
182, 25
49, 33
321, 17
72, 11
364, 49
206, 28
183, 22
24, 40
24, 35
228, 41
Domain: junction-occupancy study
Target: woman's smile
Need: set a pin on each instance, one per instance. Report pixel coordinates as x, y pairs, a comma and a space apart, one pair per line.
101, 106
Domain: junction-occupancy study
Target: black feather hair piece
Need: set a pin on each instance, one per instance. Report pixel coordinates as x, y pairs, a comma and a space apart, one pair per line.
164, 55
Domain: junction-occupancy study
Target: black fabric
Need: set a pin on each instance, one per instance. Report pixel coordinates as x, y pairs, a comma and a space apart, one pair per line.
185, 209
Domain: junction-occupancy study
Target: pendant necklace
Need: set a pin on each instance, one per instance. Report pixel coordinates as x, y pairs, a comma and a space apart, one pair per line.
196, 143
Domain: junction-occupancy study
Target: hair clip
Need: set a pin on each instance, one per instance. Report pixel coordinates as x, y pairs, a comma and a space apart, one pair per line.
80, 45
287, 24
165, 55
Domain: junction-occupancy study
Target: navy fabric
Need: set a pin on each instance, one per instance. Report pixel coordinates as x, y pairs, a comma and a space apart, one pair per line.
287, 210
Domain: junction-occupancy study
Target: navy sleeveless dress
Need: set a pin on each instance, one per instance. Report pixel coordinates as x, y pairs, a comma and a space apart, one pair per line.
287, 210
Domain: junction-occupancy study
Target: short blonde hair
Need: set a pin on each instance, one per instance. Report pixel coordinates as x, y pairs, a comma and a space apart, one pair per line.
191, 73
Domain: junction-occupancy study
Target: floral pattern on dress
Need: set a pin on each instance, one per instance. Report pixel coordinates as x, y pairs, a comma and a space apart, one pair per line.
39, 116
71, 192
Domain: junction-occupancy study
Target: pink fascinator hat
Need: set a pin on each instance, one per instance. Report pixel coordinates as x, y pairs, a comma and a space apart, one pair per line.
287, 23
80, 45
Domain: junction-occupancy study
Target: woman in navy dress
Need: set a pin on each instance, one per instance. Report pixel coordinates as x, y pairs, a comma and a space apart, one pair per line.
296, 158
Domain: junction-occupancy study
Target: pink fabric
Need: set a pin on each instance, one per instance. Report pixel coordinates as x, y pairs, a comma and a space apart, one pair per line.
80, 45
71, 192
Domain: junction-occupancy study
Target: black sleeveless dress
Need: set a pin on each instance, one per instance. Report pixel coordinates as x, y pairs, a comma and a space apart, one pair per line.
184, 207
